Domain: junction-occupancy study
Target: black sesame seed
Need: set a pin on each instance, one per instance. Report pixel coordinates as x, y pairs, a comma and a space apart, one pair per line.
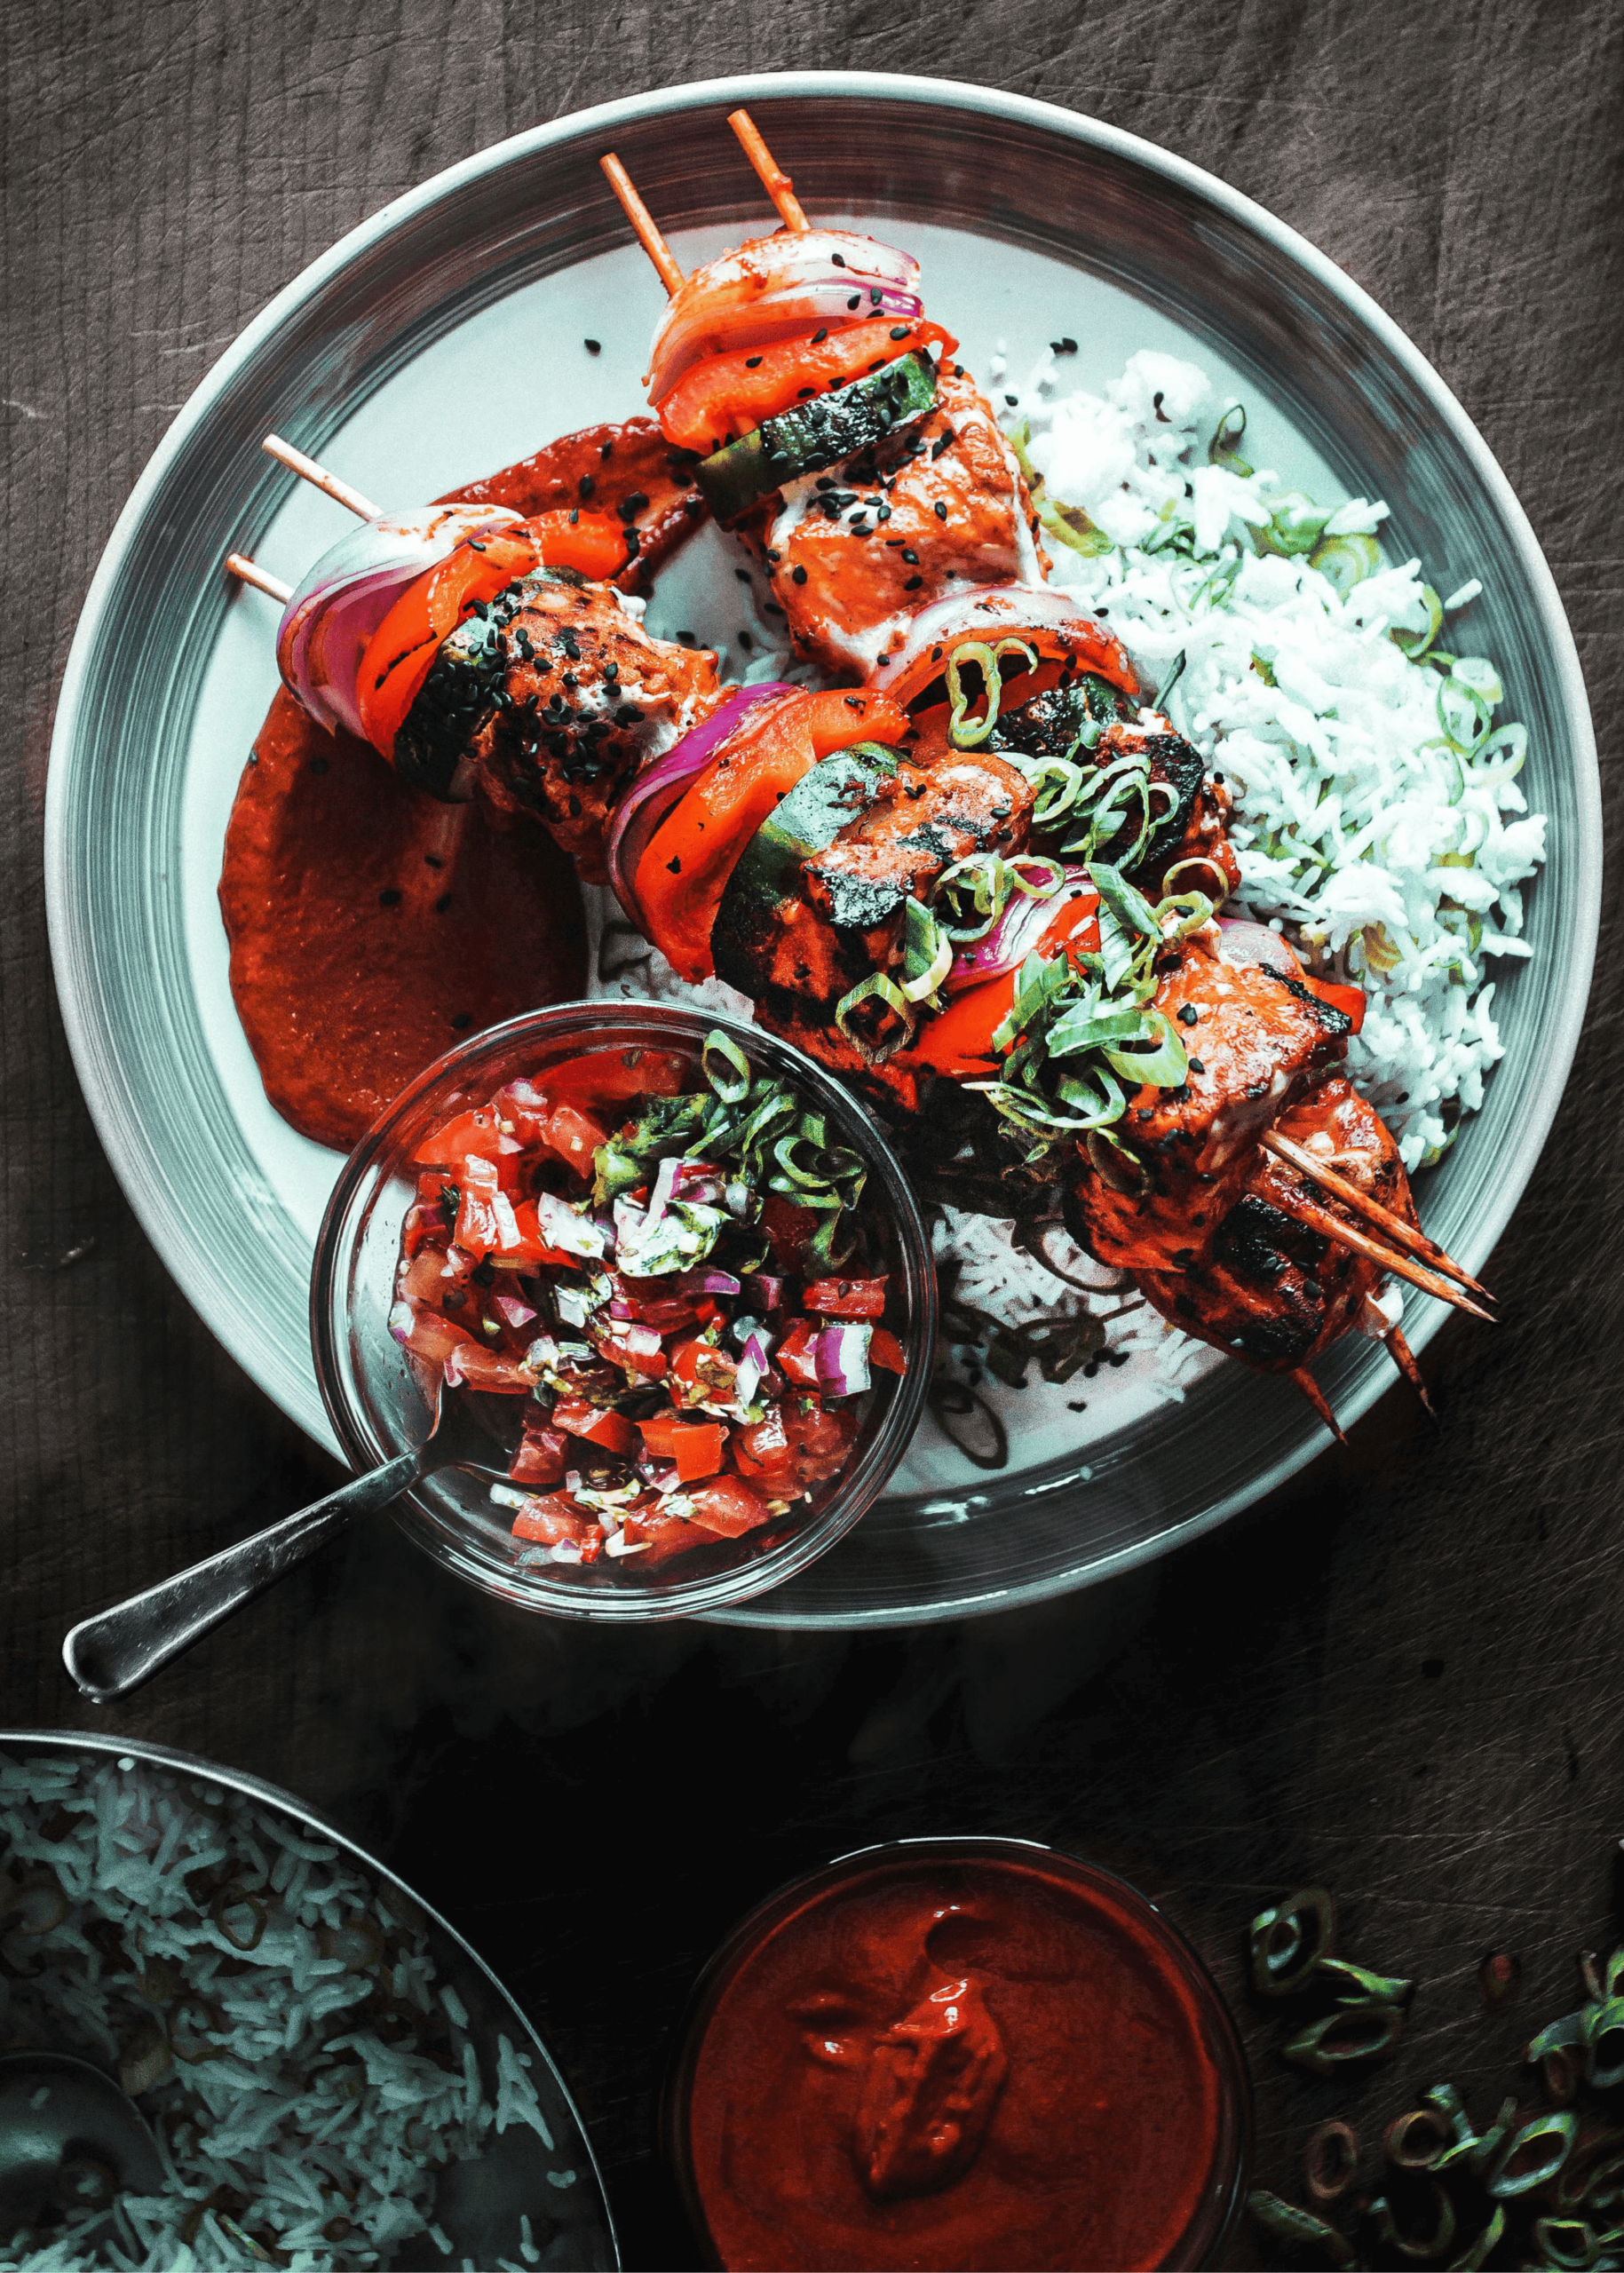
900, 330
587, 485
674, 865
752, 363
941, 510
1012, 399
910, 555
837, 259
856, 300
594, 346
390, 899
797, 575
442, 903
913, 583
819, 337
462, 1022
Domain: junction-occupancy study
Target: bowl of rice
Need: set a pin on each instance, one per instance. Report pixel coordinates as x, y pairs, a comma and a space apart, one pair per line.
332, 2077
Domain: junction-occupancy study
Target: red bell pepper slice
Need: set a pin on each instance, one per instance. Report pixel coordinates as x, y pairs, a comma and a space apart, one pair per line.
959, 1041
726, 395
591, 542
685, 869
553, 1516
400, 653
696, 1446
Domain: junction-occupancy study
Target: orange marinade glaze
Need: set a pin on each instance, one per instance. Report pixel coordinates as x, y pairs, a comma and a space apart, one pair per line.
970, 2065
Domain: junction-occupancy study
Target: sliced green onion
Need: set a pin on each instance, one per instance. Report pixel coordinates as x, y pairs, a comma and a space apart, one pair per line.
1129, 906
927, 955
1345, 2038
1472, 2260
880, 754
1365, 1988
1090, 1024
1289, 1939
1292, 2224
1176, 672
876, 989
1416, 644
1344, 561
733, 1086
1225, 448
1330, 2160
1534, 2155
964, 732
1164, 1067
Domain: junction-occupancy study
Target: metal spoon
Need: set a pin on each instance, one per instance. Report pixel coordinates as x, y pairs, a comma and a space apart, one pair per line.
115, 1652
69, 2139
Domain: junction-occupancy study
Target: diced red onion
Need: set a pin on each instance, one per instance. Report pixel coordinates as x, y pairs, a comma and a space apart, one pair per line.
661, 1474
343, 599
776, 283
1051, 621
562, 1228
841, 1356
659, 786
703, 1279
755, 1360
762, 1292
401, 1319
514, 1313
1018, 930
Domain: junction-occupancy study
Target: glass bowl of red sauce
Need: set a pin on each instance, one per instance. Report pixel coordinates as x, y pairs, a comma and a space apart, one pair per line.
672, 1276
966, 2053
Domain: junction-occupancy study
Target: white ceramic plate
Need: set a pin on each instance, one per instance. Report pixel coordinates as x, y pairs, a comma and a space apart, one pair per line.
446, 337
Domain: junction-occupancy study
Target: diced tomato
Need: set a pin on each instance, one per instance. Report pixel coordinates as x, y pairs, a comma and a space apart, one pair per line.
622, 1343
696, 1446
683, 872
729, 1506
791, 1448
611, 1430
575, 1137
652, 1526
542, 1456
794, 1354
591, 542
884, 1349
400, 653
666, 1313
481, 1367
469, 1136
434, 1337
700, 1372
788, 1226
726, 395
847, 1297
553, 1516
477, 1228
607, 1079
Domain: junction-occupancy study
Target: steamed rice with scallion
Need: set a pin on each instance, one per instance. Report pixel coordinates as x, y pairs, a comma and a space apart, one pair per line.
1378, 817
279, 2021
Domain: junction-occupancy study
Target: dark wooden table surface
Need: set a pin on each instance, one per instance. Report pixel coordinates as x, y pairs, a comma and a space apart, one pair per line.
1404, 1677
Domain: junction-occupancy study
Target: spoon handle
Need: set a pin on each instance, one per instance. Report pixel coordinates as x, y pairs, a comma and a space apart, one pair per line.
117, 1650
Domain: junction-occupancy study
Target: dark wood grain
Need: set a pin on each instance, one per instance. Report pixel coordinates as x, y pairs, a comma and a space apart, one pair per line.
1403, 1677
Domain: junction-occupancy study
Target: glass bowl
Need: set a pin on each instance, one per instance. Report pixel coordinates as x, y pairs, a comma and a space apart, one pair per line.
375, 1401
834, 1971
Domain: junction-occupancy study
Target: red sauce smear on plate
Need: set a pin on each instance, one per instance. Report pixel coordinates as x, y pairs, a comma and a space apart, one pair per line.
986, 2063
371, 926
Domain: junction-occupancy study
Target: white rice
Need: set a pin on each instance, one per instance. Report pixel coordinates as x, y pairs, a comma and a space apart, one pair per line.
1391, 852
326, 2139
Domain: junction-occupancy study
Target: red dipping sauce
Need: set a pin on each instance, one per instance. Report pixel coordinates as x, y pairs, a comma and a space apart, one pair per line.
959, 2054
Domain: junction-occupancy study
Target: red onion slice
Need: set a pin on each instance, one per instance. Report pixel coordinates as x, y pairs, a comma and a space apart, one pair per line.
1053, 622
659, 786
1018, 930
345, 596
717, 304
841, 1356
1246, 942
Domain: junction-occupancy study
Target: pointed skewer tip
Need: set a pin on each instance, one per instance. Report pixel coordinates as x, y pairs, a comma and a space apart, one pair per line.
771, 174
319, 477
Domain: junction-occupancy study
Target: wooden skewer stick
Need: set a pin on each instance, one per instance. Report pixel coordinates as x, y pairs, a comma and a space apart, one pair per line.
1305, 1381
1311, 1165
1399, 1350
642, 221
1331, 1227
774, 179
261, 579
307, 469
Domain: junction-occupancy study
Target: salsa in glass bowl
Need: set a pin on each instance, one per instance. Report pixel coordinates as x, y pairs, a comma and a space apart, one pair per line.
671, 1268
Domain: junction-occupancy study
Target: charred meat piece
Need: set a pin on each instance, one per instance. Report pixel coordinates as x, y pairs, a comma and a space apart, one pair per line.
1255, 1041
1270, 1290
920, 822
934, 509
549, 702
